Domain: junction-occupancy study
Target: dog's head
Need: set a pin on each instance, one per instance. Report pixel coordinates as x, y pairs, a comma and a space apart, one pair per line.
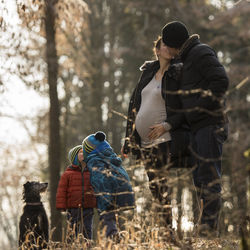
32, 190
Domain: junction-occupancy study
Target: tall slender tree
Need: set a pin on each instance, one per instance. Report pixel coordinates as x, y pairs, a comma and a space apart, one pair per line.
54, 113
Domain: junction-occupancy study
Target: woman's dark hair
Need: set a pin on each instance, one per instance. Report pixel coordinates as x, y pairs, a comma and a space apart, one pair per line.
157, 45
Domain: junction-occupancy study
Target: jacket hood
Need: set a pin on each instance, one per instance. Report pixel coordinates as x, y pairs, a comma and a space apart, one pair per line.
190, 43
108, 155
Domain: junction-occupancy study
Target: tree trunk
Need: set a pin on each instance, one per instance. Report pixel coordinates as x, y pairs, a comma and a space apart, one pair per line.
54, 124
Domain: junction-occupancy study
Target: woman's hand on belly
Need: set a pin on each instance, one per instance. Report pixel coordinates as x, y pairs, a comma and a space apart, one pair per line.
157, 130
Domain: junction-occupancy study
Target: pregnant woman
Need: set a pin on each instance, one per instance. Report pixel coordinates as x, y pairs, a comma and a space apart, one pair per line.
154, 127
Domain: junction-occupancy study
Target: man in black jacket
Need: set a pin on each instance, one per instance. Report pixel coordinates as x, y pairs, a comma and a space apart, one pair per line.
203, 86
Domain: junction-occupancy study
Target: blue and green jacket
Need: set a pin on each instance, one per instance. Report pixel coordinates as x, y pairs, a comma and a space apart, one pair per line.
110, 181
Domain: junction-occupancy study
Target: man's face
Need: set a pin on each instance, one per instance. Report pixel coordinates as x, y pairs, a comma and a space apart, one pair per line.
173, 51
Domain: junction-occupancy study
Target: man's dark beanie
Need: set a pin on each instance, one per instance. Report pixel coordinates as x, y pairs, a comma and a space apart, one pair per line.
174, 34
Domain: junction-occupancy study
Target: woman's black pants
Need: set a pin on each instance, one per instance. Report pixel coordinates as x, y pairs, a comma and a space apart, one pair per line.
155, 160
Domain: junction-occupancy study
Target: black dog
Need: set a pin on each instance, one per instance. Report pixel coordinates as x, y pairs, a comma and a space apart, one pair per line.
33, 226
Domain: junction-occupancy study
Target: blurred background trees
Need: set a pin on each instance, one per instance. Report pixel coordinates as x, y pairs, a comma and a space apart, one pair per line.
98, 47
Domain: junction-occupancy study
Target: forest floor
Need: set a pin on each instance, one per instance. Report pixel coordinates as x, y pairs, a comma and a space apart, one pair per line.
191, 244
227, 243
219, 243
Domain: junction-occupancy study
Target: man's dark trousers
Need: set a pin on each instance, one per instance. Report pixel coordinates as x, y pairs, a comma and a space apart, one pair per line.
207, 146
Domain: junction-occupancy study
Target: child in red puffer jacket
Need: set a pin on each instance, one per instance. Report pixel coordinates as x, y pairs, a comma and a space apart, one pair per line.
75, 194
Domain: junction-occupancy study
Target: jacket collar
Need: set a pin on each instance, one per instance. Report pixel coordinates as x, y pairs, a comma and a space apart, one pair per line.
188, 45
150, 65
74, 167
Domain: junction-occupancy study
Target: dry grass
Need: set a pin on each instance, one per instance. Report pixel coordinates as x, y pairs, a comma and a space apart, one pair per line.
139, 235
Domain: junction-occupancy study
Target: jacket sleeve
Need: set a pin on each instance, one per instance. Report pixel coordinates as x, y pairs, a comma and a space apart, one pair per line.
176, 120
129, 126
171, 82
132, 136
61, 194
216, 81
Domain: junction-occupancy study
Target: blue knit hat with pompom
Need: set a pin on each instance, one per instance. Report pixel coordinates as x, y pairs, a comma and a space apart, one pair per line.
94, 143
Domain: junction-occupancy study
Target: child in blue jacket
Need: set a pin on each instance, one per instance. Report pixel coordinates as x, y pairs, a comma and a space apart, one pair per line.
109, 180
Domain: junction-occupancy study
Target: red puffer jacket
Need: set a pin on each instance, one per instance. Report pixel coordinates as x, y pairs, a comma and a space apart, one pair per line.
74, 189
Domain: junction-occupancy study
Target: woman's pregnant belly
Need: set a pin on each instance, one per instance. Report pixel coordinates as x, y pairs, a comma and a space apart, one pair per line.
147, 118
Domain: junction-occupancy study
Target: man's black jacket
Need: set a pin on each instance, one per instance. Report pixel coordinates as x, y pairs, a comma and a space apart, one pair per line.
204, 83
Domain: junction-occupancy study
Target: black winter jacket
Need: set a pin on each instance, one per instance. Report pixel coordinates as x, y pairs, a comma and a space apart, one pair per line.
170, 86
204, 83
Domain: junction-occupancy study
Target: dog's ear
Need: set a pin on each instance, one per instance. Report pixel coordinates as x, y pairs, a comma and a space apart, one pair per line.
26, 184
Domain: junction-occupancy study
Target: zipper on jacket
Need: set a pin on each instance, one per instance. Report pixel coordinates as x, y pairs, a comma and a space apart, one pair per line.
82, 170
